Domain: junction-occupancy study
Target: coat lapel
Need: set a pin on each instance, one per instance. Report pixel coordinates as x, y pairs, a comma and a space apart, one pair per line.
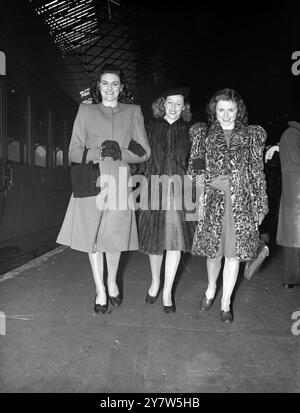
216, 136
237, 137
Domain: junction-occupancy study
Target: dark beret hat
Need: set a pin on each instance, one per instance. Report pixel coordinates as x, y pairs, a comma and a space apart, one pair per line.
184, 91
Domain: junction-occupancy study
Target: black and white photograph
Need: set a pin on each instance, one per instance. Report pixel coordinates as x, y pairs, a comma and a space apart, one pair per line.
149, 201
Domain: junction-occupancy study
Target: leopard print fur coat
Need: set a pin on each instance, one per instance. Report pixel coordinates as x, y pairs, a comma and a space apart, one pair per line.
243, 160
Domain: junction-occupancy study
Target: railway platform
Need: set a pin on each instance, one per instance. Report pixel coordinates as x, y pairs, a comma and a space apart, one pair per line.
52, 341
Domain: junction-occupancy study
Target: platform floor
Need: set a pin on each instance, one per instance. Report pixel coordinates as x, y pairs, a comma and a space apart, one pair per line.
52, 341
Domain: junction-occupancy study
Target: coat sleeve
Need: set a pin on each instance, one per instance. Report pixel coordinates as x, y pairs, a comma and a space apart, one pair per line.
78, 139
291, 140
139, 135
196, 163
258, 181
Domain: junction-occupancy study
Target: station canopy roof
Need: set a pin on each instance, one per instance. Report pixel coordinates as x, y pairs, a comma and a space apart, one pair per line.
90, 33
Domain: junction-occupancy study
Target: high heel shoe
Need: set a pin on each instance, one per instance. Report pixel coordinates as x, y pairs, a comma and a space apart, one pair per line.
169, 308
100, 308
206, 303
150, 299
226, 316
116, 301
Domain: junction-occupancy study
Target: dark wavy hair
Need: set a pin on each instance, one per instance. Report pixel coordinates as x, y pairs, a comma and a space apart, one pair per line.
95, 93
227, 94
159, 111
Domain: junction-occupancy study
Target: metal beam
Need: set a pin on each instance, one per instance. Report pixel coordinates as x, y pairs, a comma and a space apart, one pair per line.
107, 47
107, 33
120, 58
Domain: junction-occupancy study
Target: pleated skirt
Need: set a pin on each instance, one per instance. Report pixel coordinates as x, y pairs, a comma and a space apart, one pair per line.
165, 230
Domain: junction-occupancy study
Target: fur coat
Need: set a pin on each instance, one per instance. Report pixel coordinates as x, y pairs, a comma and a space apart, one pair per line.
243, 161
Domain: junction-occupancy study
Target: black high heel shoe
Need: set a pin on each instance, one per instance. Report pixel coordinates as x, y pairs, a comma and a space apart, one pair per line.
100, 308
226, 316
169, 308
116, 301
206, 303
150, 299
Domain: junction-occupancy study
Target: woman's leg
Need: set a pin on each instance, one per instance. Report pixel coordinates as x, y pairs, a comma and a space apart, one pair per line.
171, 265
96, 261
230, 273
213, 266
155, 263
112, 260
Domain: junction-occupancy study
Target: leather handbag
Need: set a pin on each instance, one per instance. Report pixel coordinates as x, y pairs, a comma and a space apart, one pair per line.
84, 177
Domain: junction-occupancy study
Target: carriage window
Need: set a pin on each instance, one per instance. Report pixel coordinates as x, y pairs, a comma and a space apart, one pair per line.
40, 155
59, 157
16, 123
58, 141
40, 135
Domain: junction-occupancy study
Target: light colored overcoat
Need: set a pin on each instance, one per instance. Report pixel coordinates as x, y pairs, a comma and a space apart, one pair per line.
88, 226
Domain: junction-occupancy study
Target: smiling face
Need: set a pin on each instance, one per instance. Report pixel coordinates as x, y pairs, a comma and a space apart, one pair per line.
110, 88
174, 105
226, 113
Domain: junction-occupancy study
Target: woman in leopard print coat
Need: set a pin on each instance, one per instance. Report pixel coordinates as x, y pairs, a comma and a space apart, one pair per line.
230, 155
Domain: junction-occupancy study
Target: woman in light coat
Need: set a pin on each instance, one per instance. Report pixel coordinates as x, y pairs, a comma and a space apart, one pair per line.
105, 223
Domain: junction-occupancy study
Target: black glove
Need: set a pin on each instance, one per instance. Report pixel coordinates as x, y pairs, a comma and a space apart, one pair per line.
110, 148
136, 148
111, 153
198, 163
110, 144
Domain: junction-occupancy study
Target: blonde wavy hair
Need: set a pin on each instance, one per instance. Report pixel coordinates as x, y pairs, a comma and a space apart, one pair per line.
158, 109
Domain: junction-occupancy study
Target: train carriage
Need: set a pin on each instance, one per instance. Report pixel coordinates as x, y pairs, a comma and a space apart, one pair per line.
36, 118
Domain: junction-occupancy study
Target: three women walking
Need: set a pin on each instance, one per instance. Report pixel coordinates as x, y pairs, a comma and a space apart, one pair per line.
225, 152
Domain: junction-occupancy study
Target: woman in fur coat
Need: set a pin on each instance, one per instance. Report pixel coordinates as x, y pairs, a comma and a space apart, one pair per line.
235, 200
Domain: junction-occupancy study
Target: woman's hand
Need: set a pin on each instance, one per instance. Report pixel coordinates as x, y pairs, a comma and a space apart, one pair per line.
270, 152
261, 217
110, 149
